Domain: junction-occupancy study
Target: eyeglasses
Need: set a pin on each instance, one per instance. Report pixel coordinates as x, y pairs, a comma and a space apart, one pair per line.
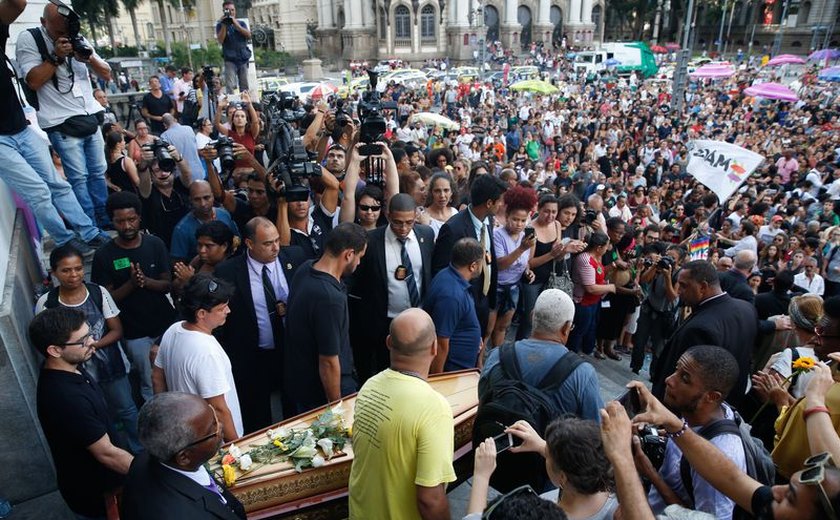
521, 490
217, 431
83, 341
814, 474
365, 207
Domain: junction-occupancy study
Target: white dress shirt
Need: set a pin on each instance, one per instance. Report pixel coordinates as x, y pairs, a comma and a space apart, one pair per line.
398, 299
281, 292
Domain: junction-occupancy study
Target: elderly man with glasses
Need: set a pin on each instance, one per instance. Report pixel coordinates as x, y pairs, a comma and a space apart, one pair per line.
180, 432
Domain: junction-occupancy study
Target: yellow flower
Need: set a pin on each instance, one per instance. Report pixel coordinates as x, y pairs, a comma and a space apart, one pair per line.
229, 474
804, 363
279, 444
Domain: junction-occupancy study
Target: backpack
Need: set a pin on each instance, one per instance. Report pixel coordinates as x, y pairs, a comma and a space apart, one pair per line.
93, 289
506, 399
189, 115
31, 95
760, 464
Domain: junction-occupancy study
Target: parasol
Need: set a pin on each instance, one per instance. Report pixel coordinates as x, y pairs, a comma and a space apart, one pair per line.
658, 49
771, 91
713, 71
323, 90
824, 54
433, 119
830, 74
784, 59
535, 85
672, 46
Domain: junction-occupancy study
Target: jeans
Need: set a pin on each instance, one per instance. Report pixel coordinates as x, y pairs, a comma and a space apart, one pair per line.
582, 338
27, 168
122, 409
235, 72
84, 164
137, 350
530, 293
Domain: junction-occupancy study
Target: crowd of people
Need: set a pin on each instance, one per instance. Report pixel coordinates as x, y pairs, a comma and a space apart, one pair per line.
549, 235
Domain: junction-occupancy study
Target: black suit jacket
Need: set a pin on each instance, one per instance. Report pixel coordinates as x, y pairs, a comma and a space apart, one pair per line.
369, 285
724, 322
456, 228
153, 491
735, 284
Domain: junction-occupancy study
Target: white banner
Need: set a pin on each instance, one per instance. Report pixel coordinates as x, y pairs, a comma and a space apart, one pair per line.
721, 166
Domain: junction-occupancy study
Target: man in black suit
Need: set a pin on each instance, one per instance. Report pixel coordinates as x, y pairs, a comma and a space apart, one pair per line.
393, 276
716, 319
254, 330
168, 481
476, 221
734, 281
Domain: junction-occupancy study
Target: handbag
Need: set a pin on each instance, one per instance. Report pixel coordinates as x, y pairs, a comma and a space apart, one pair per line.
562, 281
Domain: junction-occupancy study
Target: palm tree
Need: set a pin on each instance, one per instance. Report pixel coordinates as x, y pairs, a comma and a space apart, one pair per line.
111, 9
165, 25
131, 6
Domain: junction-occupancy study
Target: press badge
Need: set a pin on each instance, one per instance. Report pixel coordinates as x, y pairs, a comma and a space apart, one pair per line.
605, 304
122, 263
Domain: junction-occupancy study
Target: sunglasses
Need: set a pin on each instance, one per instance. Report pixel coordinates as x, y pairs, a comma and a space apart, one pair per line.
521, 490
365, 207
814, 475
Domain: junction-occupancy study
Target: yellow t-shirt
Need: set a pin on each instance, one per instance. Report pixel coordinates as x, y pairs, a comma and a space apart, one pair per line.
403, 435
791, 446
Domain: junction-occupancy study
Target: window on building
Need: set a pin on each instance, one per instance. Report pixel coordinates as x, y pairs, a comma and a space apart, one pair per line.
427, 23
383, 24
596, 20
402, 23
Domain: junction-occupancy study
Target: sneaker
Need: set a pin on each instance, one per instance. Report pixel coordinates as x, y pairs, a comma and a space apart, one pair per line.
99, 240
85, 249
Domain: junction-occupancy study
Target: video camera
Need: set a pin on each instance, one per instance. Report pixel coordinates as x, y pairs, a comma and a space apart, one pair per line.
373, 122
74, 26
291, 164
161, 150
228, 18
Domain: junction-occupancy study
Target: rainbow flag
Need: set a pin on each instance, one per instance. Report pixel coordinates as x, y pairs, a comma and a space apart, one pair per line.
698, 249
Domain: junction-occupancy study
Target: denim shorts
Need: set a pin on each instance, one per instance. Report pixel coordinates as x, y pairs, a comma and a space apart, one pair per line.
507, 298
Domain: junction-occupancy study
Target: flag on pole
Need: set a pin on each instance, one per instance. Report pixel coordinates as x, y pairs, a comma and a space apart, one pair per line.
698, 249
721, 166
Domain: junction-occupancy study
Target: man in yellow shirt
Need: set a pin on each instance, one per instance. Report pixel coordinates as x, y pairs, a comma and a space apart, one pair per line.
403, 432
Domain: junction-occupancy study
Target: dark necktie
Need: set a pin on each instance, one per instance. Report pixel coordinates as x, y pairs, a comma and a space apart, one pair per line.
271, 305
410, 282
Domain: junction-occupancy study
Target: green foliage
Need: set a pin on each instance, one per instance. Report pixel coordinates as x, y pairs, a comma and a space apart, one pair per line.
271, 59
125, 50
210, 54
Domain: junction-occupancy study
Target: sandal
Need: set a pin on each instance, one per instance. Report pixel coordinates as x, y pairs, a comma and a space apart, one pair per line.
613, 355
599, 355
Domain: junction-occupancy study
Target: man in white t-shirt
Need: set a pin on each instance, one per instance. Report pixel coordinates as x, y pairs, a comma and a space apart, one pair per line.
190, 359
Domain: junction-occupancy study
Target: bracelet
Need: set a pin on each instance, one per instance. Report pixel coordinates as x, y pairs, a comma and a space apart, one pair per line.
678, 433
816, 409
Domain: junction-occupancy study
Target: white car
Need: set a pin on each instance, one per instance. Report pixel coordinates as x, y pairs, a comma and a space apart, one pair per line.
300, 89
411, 78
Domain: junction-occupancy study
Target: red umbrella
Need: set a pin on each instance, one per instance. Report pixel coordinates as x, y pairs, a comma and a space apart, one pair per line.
323, 90
672, 46
658, 49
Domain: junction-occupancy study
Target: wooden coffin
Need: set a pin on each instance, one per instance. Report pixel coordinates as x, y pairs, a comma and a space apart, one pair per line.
276, 489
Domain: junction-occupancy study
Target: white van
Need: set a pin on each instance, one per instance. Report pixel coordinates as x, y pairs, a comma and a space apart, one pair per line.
590, 61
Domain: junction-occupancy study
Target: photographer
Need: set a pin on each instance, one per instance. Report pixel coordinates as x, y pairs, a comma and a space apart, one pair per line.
233, 36
164, 193
68, 112
244, 125
658, 312
304, 225
258, 202
328, 124
351, 181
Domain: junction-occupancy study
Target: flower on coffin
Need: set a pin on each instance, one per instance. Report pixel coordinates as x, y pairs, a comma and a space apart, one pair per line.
317, 461
229, 474
326, 446
245, 462
235, 451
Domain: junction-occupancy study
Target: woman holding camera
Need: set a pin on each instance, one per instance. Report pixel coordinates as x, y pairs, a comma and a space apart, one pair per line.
590, 287
244, 126
513, 249
556, 230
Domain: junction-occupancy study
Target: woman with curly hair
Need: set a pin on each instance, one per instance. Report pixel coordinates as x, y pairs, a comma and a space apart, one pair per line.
513, 249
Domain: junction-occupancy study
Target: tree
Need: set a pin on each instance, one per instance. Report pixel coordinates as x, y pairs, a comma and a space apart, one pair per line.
188, 5
90, 11
131, 6
110, 10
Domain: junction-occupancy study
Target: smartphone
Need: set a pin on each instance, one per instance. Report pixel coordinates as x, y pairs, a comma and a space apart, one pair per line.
631, 402
529, 232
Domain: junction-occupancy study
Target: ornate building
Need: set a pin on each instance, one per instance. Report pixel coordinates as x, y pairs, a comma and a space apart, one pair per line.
418, 29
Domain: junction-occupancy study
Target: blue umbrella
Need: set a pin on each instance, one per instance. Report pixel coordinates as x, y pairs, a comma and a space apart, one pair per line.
570, 55
830, 74
824, 54
612, 62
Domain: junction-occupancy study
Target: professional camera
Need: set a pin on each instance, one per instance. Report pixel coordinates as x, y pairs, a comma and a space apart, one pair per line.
282, 107
665, 262
647, 262
161, 150
590, 216
373, 122
228, 18
291, 164
224, 149
342, 119
208, 73
653, 445
80, 45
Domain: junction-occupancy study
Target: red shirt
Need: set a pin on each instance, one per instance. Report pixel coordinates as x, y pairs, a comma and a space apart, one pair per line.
246, 140
588, 271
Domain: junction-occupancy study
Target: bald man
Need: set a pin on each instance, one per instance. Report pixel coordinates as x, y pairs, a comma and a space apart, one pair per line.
734, 280
68, 111
169, 481
203, 211
403, 431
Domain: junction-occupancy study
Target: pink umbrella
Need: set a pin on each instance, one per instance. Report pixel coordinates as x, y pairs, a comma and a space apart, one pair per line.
323, 90
771, 91
783, 59
658, 49
672, 46
713, 71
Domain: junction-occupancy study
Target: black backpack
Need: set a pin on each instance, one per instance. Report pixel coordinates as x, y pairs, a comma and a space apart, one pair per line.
31, 95
94, 290
760, 464
505, 399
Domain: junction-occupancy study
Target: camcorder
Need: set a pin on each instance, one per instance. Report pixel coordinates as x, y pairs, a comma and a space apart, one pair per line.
74, 26
161, 150
291, 167
228, 18
224, 150
373, 122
